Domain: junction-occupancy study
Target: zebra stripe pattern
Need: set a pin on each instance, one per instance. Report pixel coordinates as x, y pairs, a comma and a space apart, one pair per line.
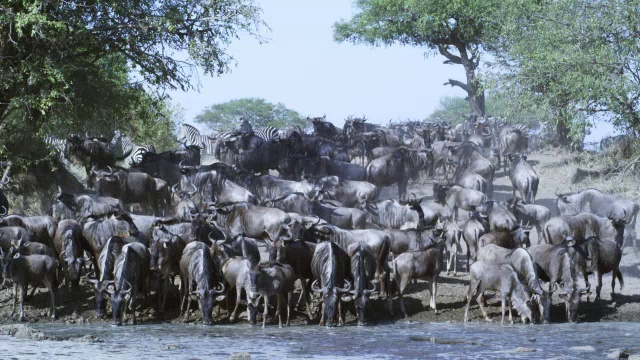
133, 153
268, 133
56, 147
190, 136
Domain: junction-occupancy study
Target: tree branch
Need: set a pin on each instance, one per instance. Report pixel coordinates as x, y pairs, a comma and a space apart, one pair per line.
451, 59
460, 84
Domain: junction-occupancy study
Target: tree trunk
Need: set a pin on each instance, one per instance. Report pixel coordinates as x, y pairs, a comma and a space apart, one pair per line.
562, 131
475, 96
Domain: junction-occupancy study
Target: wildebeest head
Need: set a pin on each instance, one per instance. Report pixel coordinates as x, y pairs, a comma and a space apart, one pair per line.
118, 296
330, 298
63, 206
440, 192
100, 290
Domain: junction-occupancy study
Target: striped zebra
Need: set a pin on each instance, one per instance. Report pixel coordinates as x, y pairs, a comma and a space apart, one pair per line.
56, 147
131, 152
268, 133
208, 144
190, 136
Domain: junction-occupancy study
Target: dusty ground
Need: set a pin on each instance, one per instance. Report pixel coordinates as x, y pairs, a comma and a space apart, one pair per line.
554, 170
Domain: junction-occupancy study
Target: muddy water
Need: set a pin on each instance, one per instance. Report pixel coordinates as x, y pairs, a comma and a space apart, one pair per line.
391, 341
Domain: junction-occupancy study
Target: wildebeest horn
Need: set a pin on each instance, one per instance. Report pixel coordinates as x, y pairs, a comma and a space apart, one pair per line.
128, 290
5, 210
220, 289
174, 188
86, 134
346, 288
180, 164
195, 190
315, 288
367, 292
110, 170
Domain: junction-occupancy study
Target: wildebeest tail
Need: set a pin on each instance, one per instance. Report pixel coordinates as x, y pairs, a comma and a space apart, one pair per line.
528, 192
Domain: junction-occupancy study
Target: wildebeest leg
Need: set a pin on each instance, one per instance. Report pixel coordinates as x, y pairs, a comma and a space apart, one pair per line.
401, 287
598, 275
52, 295
473, 288
280, 300
486, 317
321, 314
133, 311
23, 293
186, 313
433, 289
503, 301
15, 297
340, 313
232, 318
289, 305
587, 284
266, 309
509, 305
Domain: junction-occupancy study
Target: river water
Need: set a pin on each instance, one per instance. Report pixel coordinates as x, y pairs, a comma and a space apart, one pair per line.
391, 341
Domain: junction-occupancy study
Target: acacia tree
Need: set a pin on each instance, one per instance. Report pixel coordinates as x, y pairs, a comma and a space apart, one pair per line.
579, 57
53, 54
453, 28
259, 112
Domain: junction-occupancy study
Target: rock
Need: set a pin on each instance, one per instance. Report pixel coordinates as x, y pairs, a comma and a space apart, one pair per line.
27, 333
88, 339
531, 339
240, 356
634, 357
524, 350
614, 354
582, 348
173, 347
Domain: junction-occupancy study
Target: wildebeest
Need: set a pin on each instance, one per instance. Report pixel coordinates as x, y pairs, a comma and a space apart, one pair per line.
604, 257
348, 192
256, 221
452, 235
89, 152
330, 266
390, 214
460, 198
523, 264
30, 270
421, 264
68, 246
9, 233
554, 265
43, 228
377, 240
97, 231
236, 274
398, 168
199, 280
130, 274
266, 280
341, 216
82, 206
296, 202
298, 254
530, 214
165, 165
104, 271
582, 226
470, 156
500, 217
363, 267
503, 279
506, 239
474, 228
524, 179
601, 204
128, 186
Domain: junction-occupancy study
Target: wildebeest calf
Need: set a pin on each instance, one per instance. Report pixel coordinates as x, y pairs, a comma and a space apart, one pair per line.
422, 264
31, 269
501, 278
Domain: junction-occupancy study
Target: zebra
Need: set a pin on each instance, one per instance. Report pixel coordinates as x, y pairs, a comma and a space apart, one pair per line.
208, 144
189, 136
268, 133
131, 152
56, 147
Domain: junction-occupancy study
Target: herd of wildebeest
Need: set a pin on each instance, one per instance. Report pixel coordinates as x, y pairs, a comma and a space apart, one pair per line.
131, 231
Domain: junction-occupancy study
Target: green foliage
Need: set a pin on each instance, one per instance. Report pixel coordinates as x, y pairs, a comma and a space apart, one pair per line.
259, 112
455, 109
576, 57
68, 66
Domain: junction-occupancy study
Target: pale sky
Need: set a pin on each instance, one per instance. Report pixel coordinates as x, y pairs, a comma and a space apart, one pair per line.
302, 67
